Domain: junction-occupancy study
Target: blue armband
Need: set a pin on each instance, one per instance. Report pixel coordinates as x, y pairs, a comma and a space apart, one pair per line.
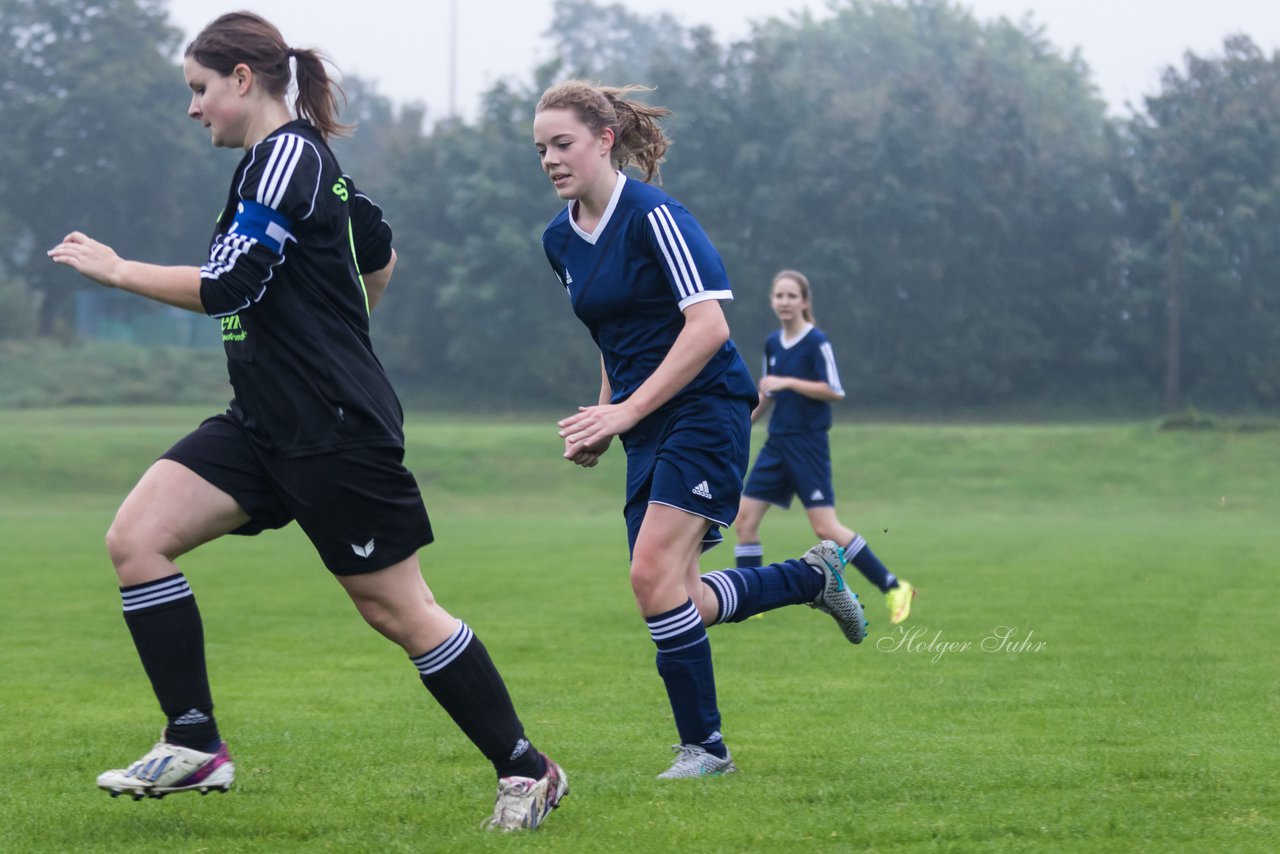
265, 225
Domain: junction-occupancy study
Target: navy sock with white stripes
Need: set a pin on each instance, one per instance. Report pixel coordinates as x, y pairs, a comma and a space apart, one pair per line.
165, 623
684, 663
860, 555
465, 682
748, 591
746, 555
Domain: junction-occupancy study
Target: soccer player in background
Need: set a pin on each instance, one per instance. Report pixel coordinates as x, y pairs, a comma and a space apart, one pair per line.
314, 432
643, 277
799, 382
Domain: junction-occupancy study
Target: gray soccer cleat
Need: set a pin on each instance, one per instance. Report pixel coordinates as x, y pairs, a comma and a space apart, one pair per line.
836, 598
692, 760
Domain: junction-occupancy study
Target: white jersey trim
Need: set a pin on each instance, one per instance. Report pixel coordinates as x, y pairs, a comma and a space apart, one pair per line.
720, 522
592, 236
787, 345
727, 296
833, 375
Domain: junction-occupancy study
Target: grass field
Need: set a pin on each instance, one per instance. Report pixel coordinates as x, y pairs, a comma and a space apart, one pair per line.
1131, 706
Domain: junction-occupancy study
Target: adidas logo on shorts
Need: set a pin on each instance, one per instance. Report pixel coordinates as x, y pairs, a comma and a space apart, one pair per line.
817, 495
702, 490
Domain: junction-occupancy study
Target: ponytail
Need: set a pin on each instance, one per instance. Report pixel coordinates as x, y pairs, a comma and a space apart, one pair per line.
317, 100
638, 137
243, 37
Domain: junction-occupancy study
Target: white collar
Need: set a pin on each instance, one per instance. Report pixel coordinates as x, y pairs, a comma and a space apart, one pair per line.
788, 344
593, 236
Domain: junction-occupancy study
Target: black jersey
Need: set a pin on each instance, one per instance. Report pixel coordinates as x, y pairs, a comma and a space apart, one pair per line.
283, 277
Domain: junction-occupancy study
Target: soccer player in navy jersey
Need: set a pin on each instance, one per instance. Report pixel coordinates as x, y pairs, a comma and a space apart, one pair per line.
799, 382
642, 275
314, 432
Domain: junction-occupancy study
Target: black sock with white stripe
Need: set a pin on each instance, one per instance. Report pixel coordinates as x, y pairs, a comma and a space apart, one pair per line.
165, 623
465, 682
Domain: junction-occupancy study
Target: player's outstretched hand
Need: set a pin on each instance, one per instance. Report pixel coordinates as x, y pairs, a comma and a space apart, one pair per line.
88, 257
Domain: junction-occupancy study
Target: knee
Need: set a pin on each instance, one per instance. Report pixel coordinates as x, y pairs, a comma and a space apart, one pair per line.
380, 618
746, 530
831, 529
647, 582
827, 532
413, 624
124, 543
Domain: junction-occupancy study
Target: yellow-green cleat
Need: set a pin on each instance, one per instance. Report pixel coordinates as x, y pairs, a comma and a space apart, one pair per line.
899, 599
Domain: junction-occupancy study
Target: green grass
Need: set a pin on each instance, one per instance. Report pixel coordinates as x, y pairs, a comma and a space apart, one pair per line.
1138, 566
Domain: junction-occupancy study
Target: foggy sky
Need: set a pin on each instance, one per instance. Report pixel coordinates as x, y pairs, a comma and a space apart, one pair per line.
405, 48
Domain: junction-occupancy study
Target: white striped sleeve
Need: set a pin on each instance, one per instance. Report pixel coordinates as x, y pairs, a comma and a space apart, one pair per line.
675, 251
684, 255
829, 359
290, 178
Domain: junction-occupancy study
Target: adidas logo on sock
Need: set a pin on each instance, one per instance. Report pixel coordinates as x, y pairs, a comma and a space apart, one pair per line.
702, 490
194, 716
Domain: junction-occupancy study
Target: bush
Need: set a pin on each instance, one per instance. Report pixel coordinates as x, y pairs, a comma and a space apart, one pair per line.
40, 373
17, 310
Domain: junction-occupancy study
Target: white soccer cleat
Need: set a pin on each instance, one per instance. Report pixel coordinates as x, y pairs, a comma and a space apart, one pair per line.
692, 760
524, 803
170, 768
836, 598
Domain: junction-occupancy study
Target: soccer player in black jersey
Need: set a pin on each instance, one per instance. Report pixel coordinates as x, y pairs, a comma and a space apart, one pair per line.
314, 433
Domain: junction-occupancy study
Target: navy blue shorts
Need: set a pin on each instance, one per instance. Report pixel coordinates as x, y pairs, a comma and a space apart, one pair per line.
691, 454
360, 507
793, 464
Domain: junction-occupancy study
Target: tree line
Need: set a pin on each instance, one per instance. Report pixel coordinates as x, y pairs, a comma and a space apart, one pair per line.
978, 230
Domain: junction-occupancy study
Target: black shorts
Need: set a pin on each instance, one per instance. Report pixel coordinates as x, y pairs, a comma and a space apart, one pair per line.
361, 508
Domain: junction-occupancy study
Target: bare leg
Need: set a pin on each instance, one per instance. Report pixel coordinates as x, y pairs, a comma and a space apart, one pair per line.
664, 564
171, 511
398, 604
747, 526
827, 527
168, 513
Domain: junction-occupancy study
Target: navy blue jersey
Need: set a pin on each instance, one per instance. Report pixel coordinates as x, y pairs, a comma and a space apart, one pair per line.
283, 277
808, 358
630, 280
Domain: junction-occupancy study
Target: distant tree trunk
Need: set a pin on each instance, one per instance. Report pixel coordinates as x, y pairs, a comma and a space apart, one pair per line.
1173, 353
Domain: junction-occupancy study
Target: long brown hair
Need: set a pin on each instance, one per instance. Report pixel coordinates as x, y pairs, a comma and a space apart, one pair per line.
803, 281
637, 134
243, 37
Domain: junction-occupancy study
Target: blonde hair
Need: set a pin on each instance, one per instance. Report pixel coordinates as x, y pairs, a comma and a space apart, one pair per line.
638, 137
803, 281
